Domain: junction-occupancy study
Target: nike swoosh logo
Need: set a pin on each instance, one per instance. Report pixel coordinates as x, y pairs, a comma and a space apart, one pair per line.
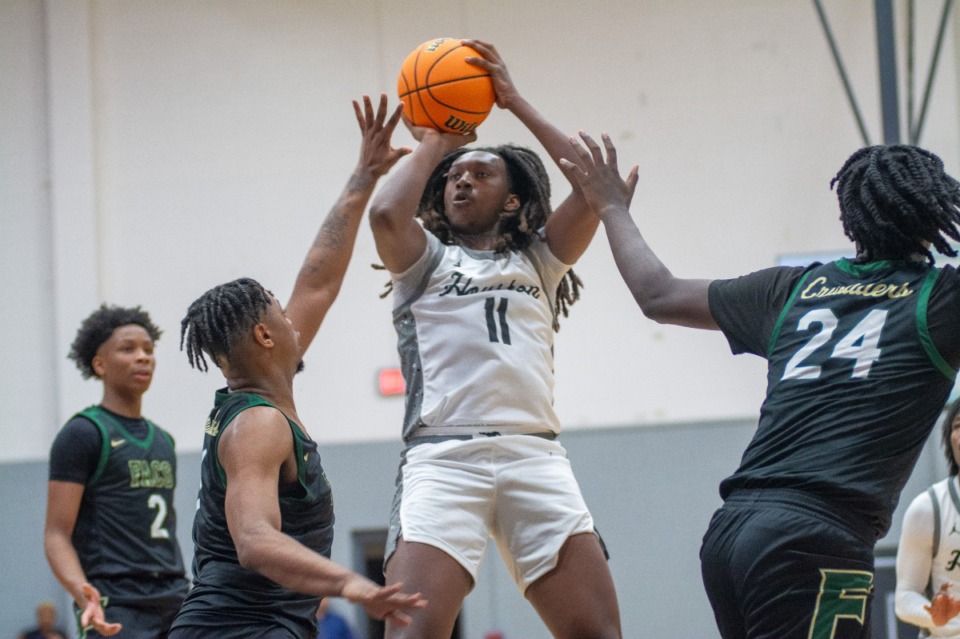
117, 442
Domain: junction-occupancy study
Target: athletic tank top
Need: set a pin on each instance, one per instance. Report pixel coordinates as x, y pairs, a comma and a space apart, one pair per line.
126, 525
227, 598
475, 336
854, 386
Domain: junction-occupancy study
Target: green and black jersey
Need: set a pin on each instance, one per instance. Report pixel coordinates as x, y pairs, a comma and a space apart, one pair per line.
861, 359
125, 530
228, 599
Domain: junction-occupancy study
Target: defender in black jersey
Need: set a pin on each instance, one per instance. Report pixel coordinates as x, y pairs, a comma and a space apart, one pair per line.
264, 524
111, 527
861, 354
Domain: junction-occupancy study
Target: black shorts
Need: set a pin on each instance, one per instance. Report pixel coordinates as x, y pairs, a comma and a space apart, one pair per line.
776, 568
138, 622
246, 632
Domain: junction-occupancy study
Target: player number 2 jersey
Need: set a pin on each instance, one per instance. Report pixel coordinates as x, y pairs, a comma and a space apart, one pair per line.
126, 525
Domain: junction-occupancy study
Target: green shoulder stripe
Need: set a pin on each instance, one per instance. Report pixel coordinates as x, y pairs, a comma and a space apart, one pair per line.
923, 329
775, 334
93, 413
242, 402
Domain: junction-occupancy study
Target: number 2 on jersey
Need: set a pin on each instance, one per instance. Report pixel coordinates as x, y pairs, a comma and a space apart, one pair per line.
157, 531
861, 344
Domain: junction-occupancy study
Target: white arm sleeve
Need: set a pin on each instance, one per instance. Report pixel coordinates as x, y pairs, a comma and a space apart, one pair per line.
914, 563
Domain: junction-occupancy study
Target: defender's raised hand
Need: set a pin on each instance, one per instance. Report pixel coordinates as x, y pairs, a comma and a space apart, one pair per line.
599, 178
376, 154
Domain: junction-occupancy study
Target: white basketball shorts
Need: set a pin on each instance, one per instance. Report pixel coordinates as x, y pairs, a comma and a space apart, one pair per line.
517, 489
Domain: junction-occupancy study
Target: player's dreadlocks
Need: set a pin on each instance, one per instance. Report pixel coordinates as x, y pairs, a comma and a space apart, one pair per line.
530, 182
215, 320
893, 199
97, 329
946, 432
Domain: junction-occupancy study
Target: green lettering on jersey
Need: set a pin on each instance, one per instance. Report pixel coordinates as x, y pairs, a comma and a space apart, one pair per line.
843, 595
150, 474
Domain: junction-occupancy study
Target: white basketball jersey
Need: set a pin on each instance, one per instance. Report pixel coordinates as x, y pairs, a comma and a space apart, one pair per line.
946, 558
476, 338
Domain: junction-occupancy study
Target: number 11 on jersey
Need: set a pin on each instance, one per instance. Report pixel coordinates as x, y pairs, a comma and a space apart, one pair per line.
492, 324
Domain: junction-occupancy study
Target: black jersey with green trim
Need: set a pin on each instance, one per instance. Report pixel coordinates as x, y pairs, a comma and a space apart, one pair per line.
227, 598
855, 378
126, 524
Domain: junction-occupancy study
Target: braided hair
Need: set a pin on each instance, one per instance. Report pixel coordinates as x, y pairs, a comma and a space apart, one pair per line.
895, 199
219, 317
946, 433
97, 329
529, 181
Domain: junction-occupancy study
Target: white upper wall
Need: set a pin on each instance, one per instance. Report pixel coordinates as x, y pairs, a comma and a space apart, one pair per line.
180, 144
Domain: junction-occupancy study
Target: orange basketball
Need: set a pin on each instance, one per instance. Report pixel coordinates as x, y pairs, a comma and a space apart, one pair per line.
440, 90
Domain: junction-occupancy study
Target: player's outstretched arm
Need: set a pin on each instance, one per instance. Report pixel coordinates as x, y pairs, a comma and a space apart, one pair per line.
572, 225
325, 265
257, 452
63, 506
399, 237
661, 296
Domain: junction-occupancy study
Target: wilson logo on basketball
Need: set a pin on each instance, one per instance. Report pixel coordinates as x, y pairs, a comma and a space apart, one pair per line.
441, 90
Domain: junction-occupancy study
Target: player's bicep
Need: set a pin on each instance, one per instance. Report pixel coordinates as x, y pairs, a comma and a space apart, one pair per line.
63, 507
571, 228
400, 241
252, 452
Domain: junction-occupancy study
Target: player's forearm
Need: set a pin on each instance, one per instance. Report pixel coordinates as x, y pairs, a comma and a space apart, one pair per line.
909, 607
321, 275
645, 275
326, 261
65, 564
289, 563
554, 141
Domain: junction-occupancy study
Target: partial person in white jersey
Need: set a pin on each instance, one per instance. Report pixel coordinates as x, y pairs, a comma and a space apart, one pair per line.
477, 291
928, 558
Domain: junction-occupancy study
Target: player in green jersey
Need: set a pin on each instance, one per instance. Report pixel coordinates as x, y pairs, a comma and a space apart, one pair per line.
862, 355
264, 524
110, 533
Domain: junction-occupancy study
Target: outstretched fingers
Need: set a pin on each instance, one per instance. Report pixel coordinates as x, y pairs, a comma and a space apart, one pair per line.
633, 178
394, 118
594, 148
611, 151
93, 615
390, 603
599, 175
376, 130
